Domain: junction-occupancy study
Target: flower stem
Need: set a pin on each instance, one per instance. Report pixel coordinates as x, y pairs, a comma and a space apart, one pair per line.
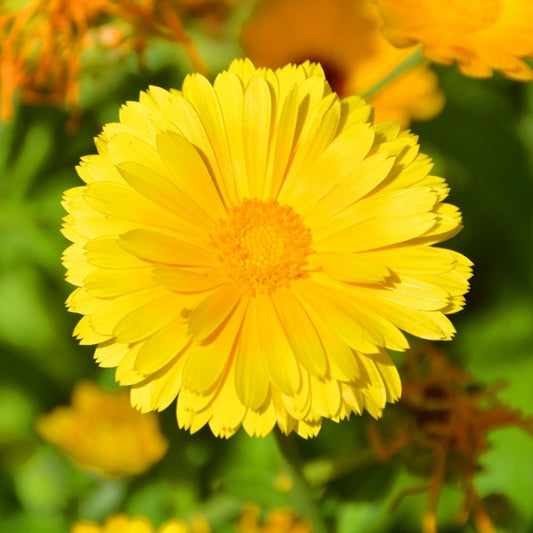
302, 490
416, 58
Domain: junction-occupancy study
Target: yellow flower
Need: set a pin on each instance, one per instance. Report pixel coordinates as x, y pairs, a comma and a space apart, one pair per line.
252, 247
277, 521
121, 523
102, 432
118, 523
481, 35
345, 38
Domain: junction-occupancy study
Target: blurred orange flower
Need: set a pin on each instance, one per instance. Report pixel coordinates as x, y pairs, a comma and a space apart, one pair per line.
102, 432
345, 38
440, 428
42, 42
481, 35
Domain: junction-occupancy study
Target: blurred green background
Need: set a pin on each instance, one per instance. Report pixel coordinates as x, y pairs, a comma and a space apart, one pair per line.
482, 143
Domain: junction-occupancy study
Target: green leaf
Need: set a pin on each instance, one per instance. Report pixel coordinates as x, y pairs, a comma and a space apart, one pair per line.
34, 523
102, 499
43, 483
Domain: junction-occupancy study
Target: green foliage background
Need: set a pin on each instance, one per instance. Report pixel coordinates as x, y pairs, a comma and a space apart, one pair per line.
482, 143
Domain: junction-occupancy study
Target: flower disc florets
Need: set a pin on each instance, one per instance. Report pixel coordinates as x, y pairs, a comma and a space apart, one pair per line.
262, 245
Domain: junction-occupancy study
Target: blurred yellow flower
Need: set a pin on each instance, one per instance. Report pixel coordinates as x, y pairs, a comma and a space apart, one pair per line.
42, 41
481, 35
118, 523
252, 247
102, 432
121, 523
277, 521
345, 38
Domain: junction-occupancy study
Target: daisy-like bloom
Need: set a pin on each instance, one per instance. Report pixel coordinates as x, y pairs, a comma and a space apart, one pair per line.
443, 421
252, 247
481, 35
42, 42
102, 432
345, 38
121, 523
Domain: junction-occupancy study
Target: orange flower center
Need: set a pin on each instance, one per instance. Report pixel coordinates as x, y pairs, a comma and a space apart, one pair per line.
474, 14
262, 245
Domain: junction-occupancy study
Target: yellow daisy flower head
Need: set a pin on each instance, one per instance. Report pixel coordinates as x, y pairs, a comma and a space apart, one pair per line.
345, 38
481, 35
102, 432
253, 246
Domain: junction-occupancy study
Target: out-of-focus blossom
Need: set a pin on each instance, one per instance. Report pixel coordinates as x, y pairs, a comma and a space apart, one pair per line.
345, 38
440, 428
481, 35
250, 521
102, 432
118, 523
43, 41
121, 523
277, 521
253, 246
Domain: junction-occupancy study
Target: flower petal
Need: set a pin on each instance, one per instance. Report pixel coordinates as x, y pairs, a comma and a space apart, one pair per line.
278, 357
161, 347
251, 379
342, 317
300, 332
206, 361
256, 130
161, 248
351, 268
213, 311
189, 172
